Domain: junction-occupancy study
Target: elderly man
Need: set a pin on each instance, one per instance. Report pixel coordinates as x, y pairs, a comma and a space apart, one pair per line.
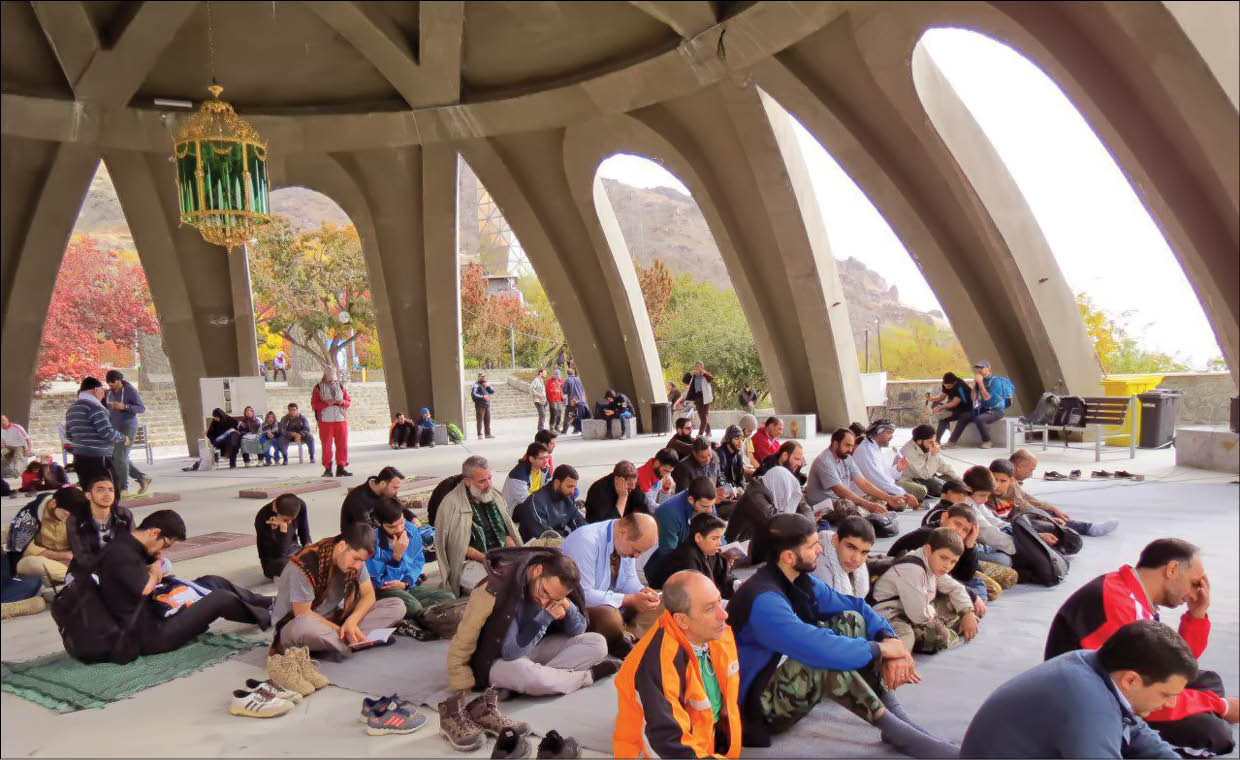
617, 603
873, 464
923, 464
1023, 465
834, 475
530, 474
667, 707
471, 520
89, 430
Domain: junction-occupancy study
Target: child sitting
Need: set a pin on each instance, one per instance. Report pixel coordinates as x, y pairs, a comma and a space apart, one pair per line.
927, 608
425, 430
994, 576
961, 521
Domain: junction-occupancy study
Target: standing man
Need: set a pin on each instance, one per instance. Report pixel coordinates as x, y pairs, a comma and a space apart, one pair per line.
16, 445
279, 366
329, 399
538, 393
124, 405
481, 393
573, 389
555, 397
699, 391
90, 433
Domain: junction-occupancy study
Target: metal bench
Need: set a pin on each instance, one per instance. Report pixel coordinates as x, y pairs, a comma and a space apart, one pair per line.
1101, 412
140, 438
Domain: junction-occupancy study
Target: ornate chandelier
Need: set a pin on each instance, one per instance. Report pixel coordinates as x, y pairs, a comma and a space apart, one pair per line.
221, 174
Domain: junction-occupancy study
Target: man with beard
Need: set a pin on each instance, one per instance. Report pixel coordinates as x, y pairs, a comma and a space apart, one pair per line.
925, 466
471, 521
801, 642
874, 465
550, 508
834, 476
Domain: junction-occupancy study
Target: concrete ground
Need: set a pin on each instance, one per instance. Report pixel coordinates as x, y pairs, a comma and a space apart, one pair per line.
187, 717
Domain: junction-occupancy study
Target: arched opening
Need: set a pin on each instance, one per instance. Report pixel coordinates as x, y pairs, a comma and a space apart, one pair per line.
1140, 311
102, 317
692, 305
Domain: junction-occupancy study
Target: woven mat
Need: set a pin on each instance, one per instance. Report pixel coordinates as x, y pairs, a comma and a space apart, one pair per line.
61, 683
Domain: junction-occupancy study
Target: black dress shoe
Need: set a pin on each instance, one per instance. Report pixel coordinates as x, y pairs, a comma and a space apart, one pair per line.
327, 473
343, 473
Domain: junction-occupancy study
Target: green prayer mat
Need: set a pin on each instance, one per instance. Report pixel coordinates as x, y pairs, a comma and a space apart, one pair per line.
61, 683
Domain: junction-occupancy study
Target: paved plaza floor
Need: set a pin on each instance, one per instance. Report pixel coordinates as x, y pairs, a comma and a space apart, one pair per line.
188, 717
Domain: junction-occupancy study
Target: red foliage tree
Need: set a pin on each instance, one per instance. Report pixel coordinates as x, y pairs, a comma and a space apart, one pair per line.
99, 301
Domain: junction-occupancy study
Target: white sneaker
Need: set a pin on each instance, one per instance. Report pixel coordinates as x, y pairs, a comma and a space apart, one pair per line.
987, 445
288, 695
259, 703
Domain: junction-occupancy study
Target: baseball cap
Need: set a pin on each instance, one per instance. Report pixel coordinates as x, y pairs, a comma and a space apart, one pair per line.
983, 364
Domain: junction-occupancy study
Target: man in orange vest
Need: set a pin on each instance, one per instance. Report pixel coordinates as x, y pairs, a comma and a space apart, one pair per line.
679, 686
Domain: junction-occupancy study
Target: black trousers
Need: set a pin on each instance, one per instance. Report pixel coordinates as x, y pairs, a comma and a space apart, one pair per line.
425, 437
89, 467
482, 414
177, 631
1203, 731
402, 435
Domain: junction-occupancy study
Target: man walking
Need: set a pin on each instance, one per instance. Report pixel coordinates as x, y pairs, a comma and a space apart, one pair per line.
124, 405
481, 393
91, 434
538, 394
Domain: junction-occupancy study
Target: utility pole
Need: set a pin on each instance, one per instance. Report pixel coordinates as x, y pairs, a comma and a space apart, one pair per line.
512, 345
867, 350
878, 338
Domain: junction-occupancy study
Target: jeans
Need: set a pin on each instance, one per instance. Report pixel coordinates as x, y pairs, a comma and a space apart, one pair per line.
946, 423
120, 459
541, 408
979, 587
274, 445
981, 419
987, 554
306, 438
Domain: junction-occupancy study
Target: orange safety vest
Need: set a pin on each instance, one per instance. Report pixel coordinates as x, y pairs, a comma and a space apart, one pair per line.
665, 659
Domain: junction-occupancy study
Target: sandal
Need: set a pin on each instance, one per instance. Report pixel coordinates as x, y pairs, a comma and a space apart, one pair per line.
1052, 475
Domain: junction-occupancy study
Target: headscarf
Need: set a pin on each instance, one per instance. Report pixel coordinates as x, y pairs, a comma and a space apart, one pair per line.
879, 426
784, 487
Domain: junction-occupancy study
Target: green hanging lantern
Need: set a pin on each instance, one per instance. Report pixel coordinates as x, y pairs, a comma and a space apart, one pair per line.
221, 174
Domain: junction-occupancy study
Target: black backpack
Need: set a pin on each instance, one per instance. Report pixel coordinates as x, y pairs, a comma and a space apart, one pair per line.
88, 630
24, 527
1045, 410
1070, 413
1036, 561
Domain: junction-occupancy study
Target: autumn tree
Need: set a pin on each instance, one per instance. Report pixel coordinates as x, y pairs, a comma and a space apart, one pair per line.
99, 303
1117, 351
656, 284
311, 288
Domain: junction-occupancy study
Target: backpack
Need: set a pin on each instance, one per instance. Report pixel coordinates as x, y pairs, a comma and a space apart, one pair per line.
882, 565
1071, 412
1044, 412
1003, 388
454, 433
885, 526
446, 617
1035, 560
24, 526
88, 630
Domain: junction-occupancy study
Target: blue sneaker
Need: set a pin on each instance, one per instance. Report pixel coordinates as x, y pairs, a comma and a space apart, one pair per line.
380, 705
399, 720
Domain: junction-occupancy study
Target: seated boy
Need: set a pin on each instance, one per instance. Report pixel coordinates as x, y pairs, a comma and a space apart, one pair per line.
842, 562
282, 528
425, 434
994, 575
926, 607
396, 567
961, 521
1005, 504
40, 532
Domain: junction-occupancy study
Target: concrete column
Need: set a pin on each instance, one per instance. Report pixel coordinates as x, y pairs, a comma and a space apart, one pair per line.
440, 214
243, 310
44, 184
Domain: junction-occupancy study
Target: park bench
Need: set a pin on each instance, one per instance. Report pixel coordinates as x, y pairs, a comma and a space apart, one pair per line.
140, 438
1100, 413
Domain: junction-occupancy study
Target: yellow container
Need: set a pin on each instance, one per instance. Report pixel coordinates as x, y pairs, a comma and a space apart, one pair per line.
1126, 386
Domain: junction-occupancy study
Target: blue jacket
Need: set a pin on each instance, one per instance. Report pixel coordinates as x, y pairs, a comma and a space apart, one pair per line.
673, 518
543, 511
122, 420
383, 568
1077, 712
573, 387
479, 392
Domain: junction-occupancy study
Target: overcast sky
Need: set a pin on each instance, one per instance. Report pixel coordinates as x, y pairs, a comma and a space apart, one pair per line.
1088, 212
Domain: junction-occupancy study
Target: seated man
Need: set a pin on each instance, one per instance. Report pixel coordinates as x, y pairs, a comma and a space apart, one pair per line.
130, 568
547, 438
731, 455
325, 600
668, 708
524, 629
39, 532
872, 463
282, 528
360, 502
681, 442
401, 433
615, 407
1169, 573
614, 496
701, 462
960, 520
1023, 465
1088, 704
424, 430
472, 519
396, 567
924, 465
700, 551
528, 476
654, 478
769, 494
766, 440
673, 518
791, 456
834, 475
800, 642
576, 411
606, 556
295, 429
926, 607
550, 508
994, 395
844, 552
94, 525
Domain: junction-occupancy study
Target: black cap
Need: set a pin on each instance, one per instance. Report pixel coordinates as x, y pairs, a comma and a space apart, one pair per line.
89, 384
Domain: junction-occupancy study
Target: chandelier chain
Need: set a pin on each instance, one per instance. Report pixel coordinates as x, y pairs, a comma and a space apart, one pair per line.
211, 42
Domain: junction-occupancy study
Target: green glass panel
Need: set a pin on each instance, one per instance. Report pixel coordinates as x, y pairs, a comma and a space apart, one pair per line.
187, 179
258, 181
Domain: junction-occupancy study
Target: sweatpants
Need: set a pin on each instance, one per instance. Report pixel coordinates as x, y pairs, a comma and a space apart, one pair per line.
42, 567
309, 631
558, 664
416, 598
176, 631
335, 435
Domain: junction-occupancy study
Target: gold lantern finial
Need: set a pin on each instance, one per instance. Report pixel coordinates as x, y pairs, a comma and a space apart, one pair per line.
221, 174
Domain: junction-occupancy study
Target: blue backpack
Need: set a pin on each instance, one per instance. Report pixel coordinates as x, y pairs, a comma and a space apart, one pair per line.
1003, 388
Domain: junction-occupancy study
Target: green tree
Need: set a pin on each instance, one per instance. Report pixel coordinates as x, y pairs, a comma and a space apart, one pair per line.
1118, 352
916, 350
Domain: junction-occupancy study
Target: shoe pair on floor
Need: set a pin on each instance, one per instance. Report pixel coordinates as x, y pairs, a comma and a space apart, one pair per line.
294, 671
340, 472
390, 715
262, 699
466, 726
510, 744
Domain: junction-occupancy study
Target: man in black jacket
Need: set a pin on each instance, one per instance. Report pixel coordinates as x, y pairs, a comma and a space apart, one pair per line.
359, 504
700, 551
615, 495
101, 521
282, 528
130, 568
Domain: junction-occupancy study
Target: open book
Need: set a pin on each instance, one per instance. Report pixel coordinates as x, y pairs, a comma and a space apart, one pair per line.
377, 637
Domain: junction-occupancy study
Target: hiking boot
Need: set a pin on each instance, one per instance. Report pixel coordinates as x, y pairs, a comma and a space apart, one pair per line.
286, 673
607, 667
144, 483
484, 711
253, 684
301, 656
259, 703
399, 720
327, 473
555, 746
342, 472
455, 726
510, 744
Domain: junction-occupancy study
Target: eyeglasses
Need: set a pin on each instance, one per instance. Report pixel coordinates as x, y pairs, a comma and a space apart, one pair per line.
542, 591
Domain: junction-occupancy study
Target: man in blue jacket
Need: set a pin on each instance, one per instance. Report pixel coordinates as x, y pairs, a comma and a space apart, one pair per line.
1088, 704
124, 405
673, 517
396, 567
832, 646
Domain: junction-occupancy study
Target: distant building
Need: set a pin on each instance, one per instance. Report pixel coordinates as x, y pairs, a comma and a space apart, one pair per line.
502, 284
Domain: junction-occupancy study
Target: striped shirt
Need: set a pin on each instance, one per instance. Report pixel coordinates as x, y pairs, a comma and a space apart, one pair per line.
89, 430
